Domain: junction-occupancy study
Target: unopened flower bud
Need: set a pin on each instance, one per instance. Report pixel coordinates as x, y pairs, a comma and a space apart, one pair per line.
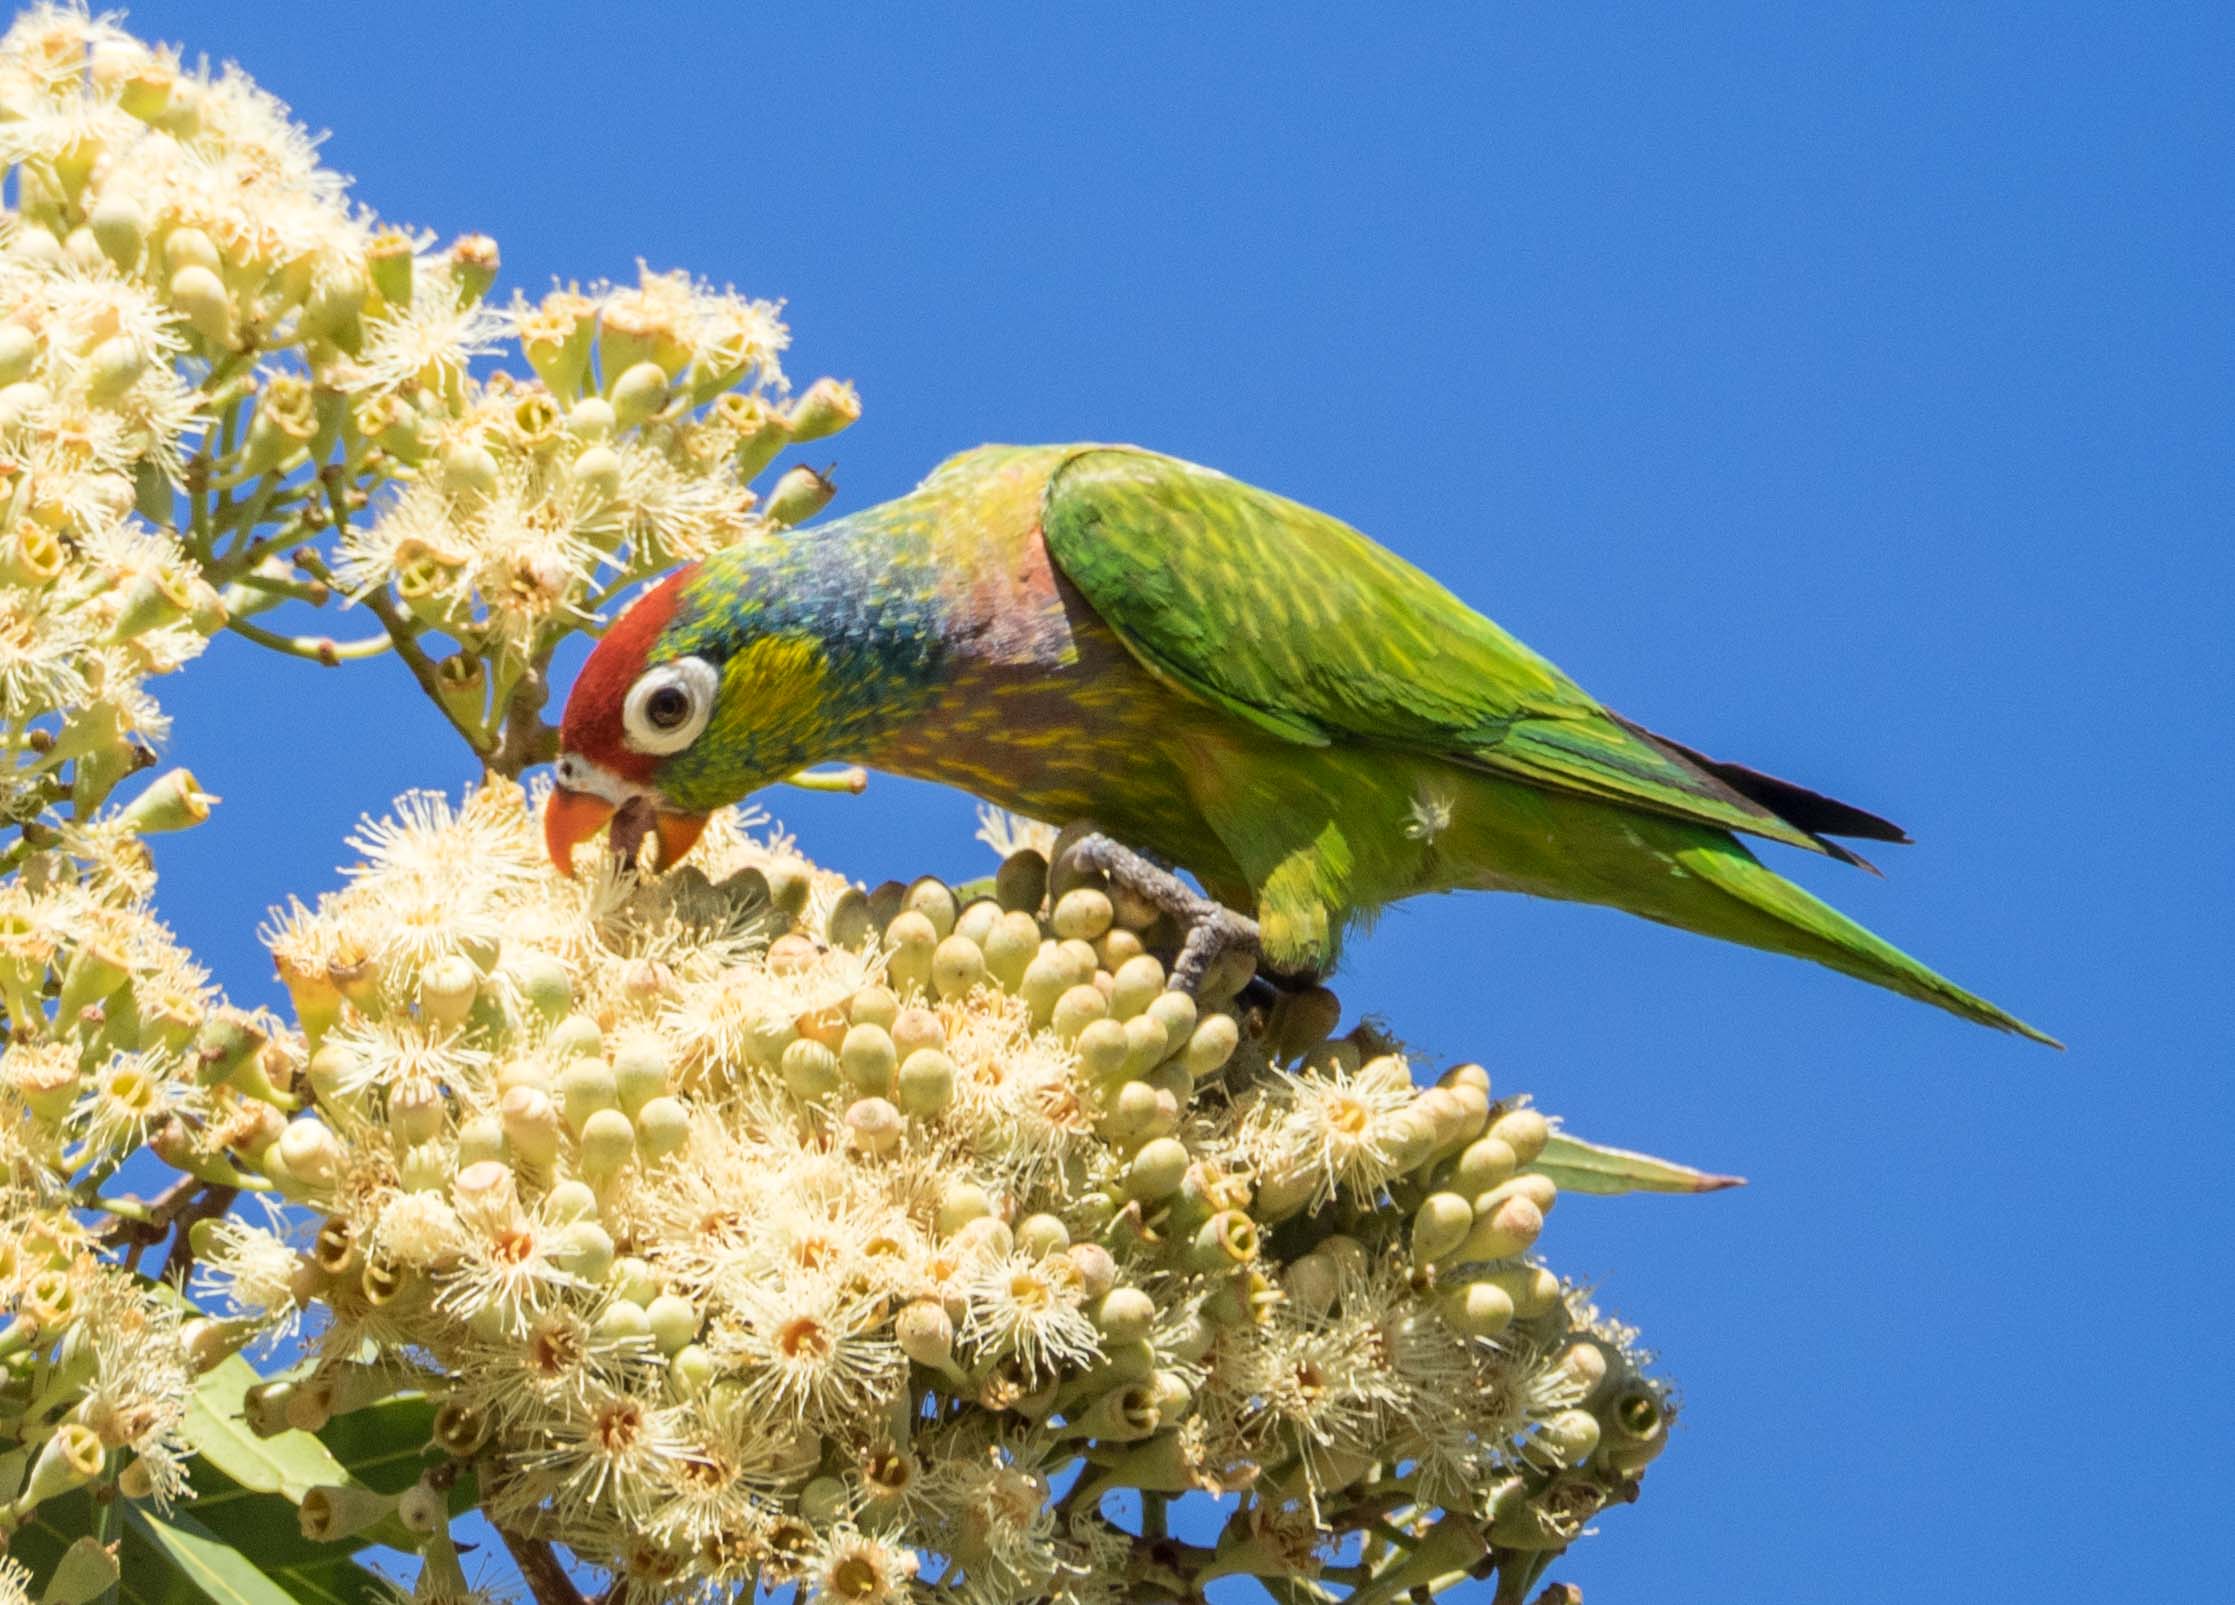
607, 1142
663, 1127
1478, 1309
799, 495
1566, 1439
925, 1333
1485, 1163
1210, 1045
421, 1510
926, 1082
447, 989
531, 1125
309, 1153
389, 262
585, 1087
810, 1070
1524, 1131
637, 393
1508, 1227
473, 266
957, 965
1439, 1226
868, 1057
873, 1125
200, 296
962, 1203
1125, 1315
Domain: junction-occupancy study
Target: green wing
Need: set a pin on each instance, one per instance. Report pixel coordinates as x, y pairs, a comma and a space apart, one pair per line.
1299, 624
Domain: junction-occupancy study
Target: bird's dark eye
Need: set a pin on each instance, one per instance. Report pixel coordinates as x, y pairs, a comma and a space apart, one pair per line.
667, 707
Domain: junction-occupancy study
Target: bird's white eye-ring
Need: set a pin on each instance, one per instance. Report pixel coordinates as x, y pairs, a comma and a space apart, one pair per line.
669, 705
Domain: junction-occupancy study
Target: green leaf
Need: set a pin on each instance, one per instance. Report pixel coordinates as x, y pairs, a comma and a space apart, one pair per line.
202, 1566
1577, 1166
289, 1464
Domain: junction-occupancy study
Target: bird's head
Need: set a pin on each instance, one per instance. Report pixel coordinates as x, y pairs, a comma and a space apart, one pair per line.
689, 703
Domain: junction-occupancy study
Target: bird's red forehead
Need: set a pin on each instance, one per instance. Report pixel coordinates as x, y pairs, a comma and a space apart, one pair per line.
591, 724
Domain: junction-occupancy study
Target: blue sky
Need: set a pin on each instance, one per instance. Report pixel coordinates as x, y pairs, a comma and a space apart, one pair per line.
1845, 390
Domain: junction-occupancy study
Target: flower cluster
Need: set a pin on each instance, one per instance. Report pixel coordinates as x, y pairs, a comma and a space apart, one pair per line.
750, 1227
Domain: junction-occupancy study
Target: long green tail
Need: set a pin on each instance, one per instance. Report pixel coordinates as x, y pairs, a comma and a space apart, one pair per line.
1763, 909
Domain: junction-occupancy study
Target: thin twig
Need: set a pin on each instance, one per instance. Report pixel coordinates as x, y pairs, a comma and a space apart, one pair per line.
540, 1568
315, 648
406, 638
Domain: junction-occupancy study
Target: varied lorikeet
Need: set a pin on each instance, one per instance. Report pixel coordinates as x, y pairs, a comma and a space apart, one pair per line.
1212, 674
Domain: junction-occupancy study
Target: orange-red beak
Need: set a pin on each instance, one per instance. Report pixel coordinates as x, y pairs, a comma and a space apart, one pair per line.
571, 818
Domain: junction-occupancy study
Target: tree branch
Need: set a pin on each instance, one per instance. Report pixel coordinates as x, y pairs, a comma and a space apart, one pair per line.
540, 1567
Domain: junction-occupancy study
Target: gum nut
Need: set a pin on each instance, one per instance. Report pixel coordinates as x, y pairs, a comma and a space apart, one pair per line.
809, 1069
623, 1320
1125, 1315
957, 965
1136, 984
1176, 1012
962, 1203
1228, 1237
585, 1087
850, 924
1567, 1439
791, 954
1145, 1046
927, 1081
1634, 1415
873, 1125
447, 989
1081, 914
1485, 1163
1311, 1283
1021, 883
1096, 1266
976, 922
607, 1142
1132, 1111
1466, 1075
1439, 1225
1524, 1131
1009, 949
1210, 1045
917, 1028
1042, 1235
576, 1036
1157, 1169
1478, 1309
925, 1333
639, 1074
868, 1057
531, 1125
1078, 1008
873, 1005
569, 1200
663, 1127
1508, 1228
673, 1322
935, 901
1101, 1047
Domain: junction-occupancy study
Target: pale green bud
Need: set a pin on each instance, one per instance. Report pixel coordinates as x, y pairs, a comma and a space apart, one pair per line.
823, 1501
638, 393
1440, 1225
640, 1074
1010, 947
1102, 1047
1132, 1112
569, 1200
1176, 1012
1210, 1045
849, 924
799, 495
962, 1203
587, 1087
673, 1322
70, 1458
1483, 1164
1078, 1008
542, 981
1157, 1169
1478, 1309
623, 1319
1125, 1315
119, 228
663, 1127
1524, 1131
1136, 984
1146, 1045
592, 418
927, 1082
585, 1248
1506, 1228
869, 1058
480, 1139
172, 801
873, 1125
422, 1510
925, 1333
1567, 1439
977, 920
911, 939
447, 989
691, 1370
1042, 1235
633, 1279
200, 296
1083, 913
607, 1142
113, 367
531, 1125
19, 352
809, 1069
957, 965
309, 1153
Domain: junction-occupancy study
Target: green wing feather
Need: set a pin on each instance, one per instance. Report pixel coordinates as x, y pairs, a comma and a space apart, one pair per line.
1299, 624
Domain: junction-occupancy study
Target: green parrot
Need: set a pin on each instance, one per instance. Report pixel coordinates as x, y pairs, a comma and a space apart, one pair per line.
1214, 678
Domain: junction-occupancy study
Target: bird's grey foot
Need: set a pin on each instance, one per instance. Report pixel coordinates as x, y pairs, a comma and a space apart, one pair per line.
1213, 929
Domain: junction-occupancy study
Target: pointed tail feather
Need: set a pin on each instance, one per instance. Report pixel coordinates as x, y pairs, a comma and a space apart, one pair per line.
1771, 912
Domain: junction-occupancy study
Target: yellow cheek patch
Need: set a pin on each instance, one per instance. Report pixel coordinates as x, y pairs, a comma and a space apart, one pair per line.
773, 691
